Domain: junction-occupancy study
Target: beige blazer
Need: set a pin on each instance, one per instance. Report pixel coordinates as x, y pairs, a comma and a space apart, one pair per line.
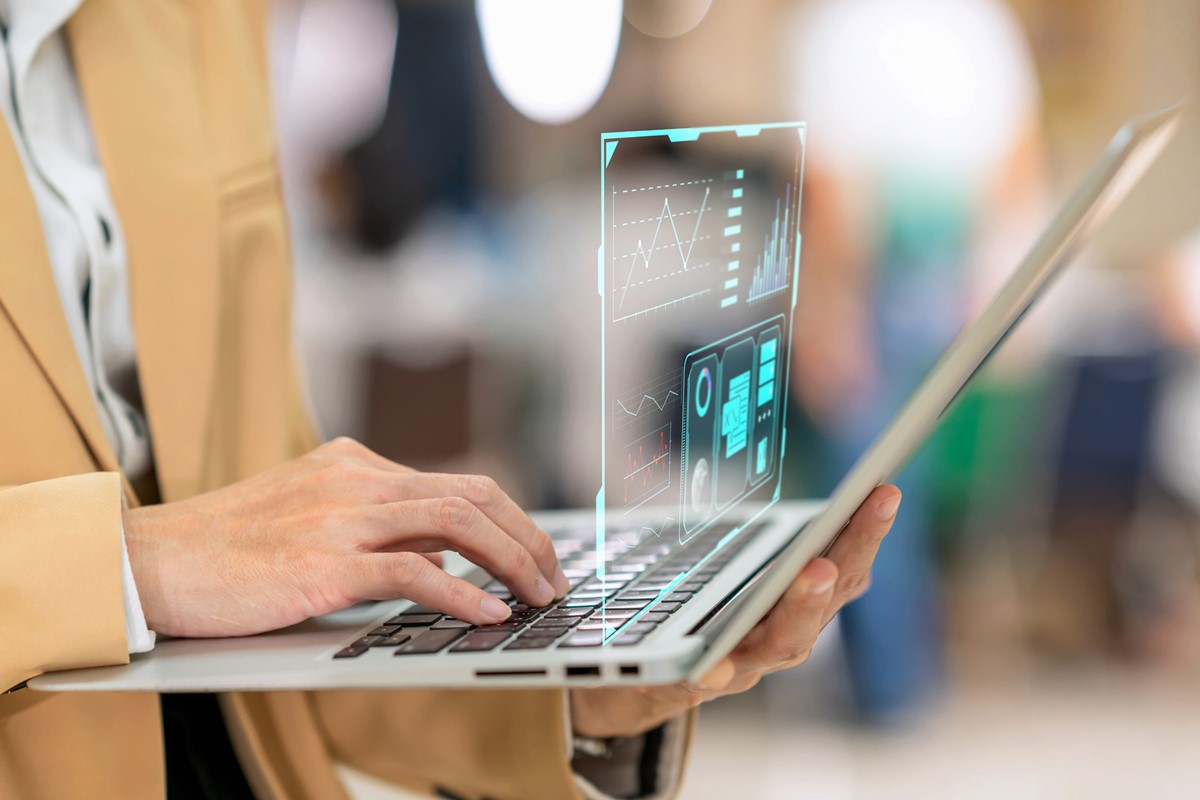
178, 98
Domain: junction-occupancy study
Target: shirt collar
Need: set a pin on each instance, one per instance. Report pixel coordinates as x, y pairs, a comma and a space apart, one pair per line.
32, 22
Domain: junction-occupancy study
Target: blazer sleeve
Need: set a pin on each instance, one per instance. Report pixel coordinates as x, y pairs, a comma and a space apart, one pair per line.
60, 561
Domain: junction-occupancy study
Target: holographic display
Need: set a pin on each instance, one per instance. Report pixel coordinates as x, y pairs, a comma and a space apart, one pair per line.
697, 277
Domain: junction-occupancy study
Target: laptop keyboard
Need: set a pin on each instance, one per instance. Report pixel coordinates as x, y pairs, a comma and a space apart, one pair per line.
591, 611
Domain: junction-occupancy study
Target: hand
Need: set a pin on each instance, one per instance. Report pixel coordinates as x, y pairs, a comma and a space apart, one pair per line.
782, 640
325, 531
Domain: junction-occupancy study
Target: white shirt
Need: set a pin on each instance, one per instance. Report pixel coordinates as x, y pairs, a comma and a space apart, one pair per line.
43, 107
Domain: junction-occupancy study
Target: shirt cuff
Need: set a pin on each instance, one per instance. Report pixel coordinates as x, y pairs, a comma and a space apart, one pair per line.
594, 776
139, 637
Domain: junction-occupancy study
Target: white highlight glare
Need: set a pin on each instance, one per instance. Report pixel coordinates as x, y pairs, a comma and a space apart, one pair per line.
342, 70
930, 66
666, 18
551, 59
937, 85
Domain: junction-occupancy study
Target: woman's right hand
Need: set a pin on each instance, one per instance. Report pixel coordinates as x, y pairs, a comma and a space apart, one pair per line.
325, 531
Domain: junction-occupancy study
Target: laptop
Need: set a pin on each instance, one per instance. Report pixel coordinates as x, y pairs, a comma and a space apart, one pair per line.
690, 542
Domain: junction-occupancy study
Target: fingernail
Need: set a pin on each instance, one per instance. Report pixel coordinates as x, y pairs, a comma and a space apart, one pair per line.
560, 581
494, 609
543, 591
887, 509
818, 589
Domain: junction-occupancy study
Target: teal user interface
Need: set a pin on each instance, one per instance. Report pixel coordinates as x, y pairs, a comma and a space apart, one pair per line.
697, 269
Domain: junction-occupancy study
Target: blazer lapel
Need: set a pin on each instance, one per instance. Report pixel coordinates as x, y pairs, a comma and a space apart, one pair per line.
137, 68
29, 295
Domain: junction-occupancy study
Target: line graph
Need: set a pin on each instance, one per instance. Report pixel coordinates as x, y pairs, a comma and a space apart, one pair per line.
647, 467
660, 406
646, 404
646, 255
639, 536
660, 241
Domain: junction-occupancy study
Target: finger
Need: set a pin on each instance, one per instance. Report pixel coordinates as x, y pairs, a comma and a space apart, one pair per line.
452, 523
718, 677
854, 550
386, 576
436, 559
687, 694
787, 635
486, 495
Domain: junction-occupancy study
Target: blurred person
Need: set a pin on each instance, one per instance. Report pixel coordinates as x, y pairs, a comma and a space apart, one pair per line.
925, 166
1156, 569
161, 475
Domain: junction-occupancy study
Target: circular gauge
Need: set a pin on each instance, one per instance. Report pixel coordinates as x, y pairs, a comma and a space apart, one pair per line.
704, 391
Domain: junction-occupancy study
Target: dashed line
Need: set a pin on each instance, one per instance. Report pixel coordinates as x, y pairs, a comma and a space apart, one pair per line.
668, 275
655, 219
665, 186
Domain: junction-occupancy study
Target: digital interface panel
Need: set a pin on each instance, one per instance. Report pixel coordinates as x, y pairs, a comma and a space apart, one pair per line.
697, 276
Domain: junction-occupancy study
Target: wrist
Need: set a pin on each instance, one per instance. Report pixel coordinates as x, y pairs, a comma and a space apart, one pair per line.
140, 544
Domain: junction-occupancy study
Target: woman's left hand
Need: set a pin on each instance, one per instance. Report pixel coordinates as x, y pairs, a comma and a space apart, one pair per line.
782, 640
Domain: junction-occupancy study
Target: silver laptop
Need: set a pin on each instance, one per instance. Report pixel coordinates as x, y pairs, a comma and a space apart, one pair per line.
689, 544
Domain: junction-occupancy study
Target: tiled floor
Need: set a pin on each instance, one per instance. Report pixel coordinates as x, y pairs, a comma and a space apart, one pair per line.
1092, 732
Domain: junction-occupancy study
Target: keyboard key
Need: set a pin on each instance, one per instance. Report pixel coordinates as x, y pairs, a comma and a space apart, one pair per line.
656, 585
609, 582
636, 594
407, 620
595, 596
654, 616
627, 639
555, 623
395, 640
668, 607
547, 633
480, 641
571, 611
369, 641
419, 610
429, 642
530, 644
450, 624
610, 625
679, 597
530, 613
624, 605
622, 615
384, 630
353, 651
584, 639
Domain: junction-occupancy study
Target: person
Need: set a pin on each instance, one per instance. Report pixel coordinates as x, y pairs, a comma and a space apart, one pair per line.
161, 475
925, 158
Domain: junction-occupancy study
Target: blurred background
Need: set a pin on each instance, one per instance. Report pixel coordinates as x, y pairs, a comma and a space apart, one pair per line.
1033, 629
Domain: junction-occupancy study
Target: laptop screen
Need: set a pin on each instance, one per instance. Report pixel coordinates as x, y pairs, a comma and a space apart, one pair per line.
697, 271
